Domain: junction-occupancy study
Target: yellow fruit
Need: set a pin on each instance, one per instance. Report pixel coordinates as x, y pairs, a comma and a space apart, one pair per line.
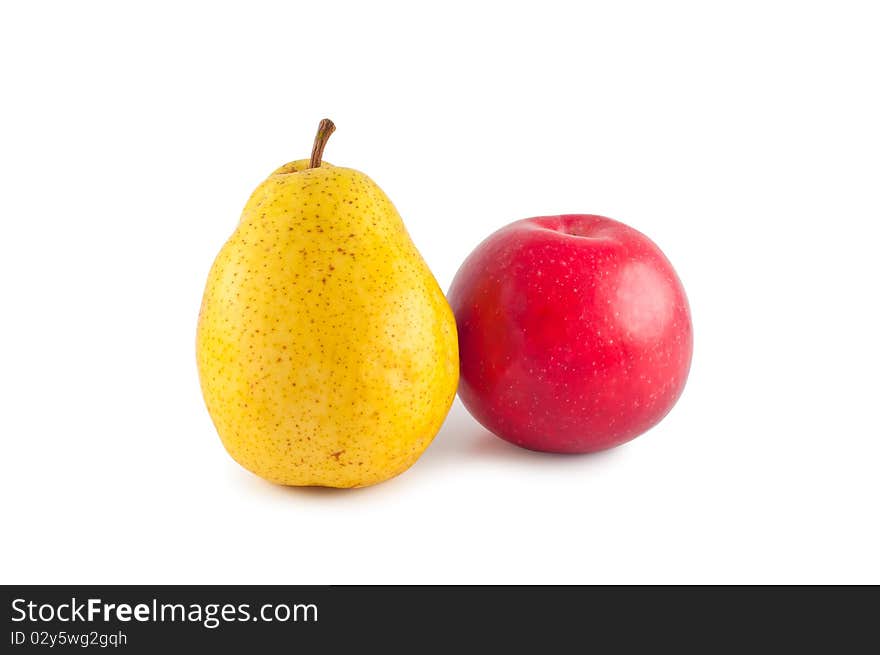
327, 353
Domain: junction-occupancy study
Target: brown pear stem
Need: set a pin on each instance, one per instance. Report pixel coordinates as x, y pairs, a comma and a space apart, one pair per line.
325, 129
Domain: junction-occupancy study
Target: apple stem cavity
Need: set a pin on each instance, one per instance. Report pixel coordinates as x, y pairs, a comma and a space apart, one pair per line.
325, 129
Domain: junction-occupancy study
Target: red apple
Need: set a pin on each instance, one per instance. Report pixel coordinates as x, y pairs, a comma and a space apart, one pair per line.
574, 333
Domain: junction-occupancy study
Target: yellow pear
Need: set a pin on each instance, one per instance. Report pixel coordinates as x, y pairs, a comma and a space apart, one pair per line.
327, 353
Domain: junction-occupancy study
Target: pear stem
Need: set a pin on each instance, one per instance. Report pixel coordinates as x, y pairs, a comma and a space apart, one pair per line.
325, 129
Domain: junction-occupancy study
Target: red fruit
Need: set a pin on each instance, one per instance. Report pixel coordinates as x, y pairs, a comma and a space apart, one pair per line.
574, 333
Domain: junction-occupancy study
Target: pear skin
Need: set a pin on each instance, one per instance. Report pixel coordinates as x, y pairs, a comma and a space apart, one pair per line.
327, 353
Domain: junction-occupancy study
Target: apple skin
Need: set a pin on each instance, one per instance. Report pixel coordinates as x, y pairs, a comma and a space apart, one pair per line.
574, 333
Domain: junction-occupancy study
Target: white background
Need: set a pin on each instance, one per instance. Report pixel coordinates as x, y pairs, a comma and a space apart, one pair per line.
742, 137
